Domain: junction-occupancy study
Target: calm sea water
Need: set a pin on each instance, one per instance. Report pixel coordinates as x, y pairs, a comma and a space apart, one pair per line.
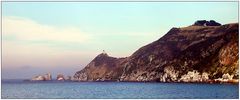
92, 90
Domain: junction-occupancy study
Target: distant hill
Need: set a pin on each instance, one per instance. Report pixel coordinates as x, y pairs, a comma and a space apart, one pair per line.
196, 53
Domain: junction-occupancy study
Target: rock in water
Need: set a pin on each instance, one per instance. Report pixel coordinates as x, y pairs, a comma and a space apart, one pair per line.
48, 77
69, 78
38, 78
200, 52
60, 77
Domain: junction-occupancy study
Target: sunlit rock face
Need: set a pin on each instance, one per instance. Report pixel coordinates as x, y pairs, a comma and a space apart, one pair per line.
194, 76
60, 77
38, 78
46, 77
190, 54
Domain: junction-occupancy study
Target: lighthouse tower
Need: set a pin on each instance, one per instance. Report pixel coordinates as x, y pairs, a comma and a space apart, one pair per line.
104, 52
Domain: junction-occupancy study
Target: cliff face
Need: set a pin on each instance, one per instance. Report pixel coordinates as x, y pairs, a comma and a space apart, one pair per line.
102, 67
193, 53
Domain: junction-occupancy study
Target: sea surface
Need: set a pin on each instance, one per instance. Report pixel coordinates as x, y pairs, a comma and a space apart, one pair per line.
131, 90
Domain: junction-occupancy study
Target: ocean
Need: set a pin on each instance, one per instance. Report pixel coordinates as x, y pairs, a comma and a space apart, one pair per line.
14, 89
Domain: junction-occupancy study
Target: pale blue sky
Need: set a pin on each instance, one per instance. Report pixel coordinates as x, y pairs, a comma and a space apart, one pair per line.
73, 33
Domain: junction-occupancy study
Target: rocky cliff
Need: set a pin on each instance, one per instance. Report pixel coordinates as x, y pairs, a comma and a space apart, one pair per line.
102, 67
189, 54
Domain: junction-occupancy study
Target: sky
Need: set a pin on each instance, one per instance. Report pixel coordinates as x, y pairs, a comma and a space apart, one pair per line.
63, 37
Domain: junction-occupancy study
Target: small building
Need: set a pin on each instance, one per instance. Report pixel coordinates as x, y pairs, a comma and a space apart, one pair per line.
206, 23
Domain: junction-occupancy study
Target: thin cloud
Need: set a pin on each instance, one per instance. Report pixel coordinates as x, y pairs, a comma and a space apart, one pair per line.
29, 30
32, 44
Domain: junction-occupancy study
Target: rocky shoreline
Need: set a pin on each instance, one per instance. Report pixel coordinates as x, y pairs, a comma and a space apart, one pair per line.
60, 77
203, 52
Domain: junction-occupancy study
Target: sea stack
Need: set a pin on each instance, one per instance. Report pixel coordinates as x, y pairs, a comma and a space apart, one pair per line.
69, 78
60, 77
38, 78
48, 77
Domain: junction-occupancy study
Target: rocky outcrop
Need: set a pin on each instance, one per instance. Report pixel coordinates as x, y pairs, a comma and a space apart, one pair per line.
60, 77
194, 76
69, 78
38, 78
101, 68
197, 53
46, 77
